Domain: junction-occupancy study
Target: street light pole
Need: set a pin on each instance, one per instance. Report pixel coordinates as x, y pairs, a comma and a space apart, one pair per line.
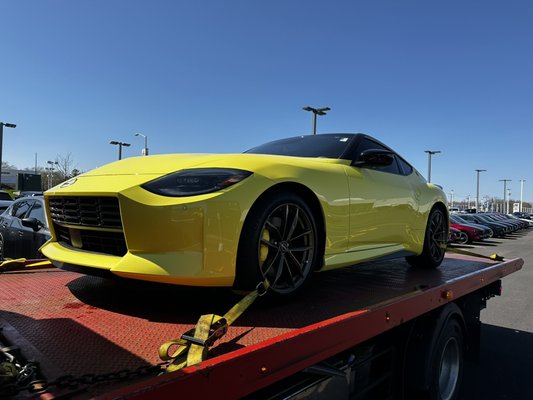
51, 172
120, 144
316, 111
430, 153
505, 193
145, 150
521, 192
7, 125
477, 187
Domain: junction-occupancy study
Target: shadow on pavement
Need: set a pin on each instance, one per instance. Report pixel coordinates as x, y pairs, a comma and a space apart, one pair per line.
505, 371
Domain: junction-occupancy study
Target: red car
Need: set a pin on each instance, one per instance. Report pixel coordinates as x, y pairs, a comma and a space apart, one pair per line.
474, 232
457, 236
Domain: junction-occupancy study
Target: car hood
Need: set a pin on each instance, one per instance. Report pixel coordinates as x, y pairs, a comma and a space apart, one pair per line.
124, 174
165, 164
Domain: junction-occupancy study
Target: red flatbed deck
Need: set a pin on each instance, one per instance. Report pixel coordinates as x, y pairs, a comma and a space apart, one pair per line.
76, 324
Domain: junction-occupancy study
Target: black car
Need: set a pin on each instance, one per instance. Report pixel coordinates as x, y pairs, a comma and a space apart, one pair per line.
498, 229
23, 228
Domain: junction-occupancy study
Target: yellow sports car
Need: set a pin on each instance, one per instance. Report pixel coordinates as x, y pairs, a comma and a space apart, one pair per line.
280, 212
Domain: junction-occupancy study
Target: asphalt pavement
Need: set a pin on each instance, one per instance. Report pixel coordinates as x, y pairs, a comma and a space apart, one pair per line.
505, 370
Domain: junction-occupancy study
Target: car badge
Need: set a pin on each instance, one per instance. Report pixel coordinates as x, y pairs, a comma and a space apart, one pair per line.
69, 182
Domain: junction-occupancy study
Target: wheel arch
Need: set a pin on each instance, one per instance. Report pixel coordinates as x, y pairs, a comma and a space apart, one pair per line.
311, 200
442, 207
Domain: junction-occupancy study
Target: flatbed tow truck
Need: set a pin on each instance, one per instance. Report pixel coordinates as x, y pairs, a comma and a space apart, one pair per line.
381, 330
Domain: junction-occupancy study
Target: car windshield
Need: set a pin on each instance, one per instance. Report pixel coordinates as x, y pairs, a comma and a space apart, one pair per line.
328, 146
458, 219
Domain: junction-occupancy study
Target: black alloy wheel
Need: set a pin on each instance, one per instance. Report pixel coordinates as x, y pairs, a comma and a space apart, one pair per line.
434, 243
286, 247
279, 244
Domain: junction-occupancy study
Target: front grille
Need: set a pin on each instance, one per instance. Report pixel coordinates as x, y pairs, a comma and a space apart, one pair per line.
112, 243
103, 212
77, 219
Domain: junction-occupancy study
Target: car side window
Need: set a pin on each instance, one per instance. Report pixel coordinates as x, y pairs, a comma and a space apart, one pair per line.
37, 212
20, 208
367, 144
406, 168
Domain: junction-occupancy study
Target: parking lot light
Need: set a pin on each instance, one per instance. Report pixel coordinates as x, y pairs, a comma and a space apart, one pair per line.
430, 153
145, 149
477, 187
316, 111
505, 195
521, 192
7, 125
119, 144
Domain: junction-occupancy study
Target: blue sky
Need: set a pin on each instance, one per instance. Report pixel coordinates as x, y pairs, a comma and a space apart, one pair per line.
223, 76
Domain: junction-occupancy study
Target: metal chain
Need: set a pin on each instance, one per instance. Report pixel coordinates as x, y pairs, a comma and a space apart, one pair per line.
72, 383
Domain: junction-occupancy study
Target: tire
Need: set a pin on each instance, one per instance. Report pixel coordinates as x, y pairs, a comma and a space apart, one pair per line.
435, 358
279, 242
463, 238
434, 242
447, 363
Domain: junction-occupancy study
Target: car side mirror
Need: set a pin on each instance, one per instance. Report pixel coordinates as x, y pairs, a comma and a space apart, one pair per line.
32, 223
375, 158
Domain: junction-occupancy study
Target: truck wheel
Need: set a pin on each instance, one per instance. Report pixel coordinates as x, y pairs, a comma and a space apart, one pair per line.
435, 357
278, 243
434, 242
447, 363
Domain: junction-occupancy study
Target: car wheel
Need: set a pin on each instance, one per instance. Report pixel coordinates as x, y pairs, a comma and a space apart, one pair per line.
463, 238
434, 242
278, 243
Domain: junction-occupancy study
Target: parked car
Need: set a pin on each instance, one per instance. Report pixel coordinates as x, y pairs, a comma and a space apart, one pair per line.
23, 229
474, 231
26, 193
279, 212
5, 200
457, 236
522, 215
513, 224
498, 229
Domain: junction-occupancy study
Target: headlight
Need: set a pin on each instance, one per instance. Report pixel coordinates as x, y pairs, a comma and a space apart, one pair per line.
192, 182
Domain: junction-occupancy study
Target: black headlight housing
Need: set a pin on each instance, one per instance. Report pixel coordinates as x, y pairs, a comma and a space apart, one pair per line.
193, 182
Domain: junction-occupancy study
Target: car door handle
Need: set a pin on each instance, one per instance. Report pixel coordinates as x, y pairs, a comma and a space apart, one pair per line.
4, 225
20, 233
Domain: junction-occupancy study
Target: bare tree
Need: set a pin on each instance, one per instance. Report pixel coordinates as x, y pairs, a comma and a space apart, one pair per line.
65, 167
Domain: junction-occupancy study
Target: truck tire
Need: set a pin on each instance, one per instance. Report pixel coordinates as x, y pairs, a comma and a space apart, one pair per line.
435, 357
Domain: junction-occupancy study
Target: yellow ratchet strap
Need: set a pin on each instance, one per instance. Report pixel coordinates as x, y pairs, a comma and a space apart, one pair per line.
193, 345
23, 263
493, 257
